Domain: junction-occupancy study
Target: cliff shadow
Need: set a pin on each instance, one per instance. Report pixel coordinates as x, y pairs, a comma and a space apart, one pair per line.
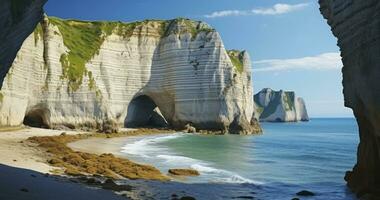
24, 184
144, 112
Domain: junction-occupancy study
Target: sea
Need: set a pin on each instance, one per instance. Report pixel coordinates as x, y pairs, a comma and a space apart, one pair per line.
285, 159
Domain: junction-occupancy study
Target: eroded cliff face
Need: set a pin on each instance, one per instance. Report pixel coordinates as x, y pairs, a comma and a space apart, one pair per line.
17, 20
356, 24
81, 74
280, 106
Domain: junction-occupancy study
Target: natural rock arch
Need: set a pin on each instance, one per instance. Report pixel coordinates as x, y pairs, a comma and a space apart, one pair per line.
190, 83
144, 112
37, 117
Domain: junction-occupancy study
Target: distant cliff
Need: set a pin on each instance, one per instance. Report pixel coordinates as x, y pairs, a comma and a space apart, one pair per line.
279, 106
83, 74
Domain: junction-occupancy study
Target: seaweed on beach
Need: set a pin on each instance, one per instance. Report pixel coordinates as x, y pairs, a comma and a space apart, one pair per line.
77, 163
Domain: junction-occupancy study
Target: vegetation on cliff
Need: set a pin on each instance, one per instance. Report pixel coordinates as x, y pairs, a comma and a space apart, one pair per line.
182, 25
289, 100
237, 59
84, 39
271, 108
38, 33
280, 106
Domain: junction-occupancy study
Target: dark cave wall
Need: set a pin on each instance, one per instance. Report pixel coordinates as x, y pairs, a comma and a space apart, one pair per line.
356, 24
18, 18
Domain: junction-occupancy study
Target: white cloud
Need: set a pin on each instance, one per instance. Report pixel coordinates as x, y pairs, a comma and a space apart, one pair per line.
325, 61
276, 9
279, 9
225, 13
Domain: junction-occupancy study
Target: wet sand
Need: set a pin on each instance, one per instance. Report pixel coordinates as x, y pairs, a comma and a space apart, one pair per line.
100, 145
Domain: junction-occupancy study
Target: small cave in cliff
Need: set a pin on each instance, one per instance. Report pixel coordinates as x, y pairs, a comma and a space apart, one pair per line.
36, 118
143, 112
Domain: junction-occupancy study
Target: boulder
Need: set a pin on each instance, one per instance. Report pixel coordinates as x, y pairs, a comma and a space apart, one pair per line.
184, 172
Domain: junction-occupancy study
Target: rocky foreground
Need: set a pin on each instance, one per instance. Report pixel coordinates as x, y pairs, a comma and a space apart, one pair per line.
75, 163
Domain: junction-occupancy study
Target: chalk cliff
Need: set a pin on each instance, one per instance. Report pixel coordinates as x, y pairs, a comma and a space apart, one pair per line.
279, 106
87, 74
356, 24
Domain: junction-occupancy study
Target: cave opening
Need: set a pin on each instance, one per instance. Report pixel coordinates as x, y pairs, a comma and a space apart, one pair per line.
143, 112
36, 118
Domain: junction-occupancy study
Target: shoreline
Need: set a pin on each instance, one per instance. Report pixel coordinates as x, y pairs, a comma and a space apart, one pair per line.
18, 151
113, 145
104, 164
24, 173
27, 154
121, 188
139, 186
101, 145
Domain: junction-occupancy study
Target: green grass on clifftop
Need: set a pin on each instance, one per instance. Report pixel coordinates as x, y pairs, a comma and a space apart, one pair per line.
84, 39
187, 26
236, 59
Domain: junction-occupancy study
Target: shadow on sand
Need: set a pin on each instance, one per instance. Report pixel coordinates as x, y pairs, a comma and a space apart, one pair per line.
20, 184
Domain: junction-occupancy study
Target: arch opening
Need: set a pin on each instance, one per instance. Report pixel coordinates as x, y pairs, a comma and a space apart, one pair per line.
36, 118
143, 112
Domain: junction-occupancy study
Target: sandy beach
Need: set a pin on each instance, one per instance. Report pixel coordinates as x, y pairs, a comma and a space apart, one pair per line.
15, 152
23, 171
100, 145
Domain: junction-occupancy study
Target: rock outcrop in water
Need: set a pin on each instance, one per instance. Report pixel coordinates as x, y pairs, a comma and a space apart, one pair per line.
356, 24
279, 106
92, 74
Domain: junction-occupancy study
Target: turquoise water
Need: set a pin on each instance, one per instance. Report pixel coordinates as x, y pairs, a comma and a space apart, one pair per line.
287, 158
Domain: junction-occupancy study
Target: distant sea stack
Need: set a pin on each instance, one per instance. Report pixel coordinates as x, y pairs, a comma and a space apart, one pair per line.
71, 73
280, 106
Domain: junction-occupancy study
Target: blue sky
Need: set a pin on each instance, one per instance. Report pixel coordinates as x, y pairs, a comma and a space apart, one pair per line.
290, 44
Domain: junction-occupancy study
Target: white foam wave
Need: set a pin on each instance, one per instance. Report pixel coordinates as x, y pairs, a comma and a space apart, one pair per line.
178, 159
223, 175
147, 147
206, 169
239, 179
144, 146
